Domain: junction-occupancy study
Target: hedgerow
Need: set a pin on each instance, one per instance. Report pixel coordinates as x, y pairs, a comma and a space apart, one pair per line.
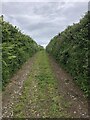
16, 49
70, 49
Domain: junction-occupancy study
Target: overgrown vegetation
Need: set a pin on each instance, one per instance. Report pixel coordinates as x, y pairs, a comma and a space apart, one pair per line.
70, 49
16, 49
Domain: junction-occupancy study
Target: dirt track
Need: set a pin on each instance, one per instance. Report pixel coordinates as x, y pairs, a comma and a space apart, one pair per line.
76, 106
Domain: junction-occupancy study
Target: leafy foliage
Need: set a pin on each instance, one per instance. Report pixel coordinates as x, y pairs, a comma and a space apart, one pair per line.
70, 49
16, 49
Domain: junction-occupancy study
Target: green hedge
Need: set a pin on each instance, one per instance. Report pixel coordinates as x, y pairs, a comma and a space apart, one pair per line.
16, 49
70, 49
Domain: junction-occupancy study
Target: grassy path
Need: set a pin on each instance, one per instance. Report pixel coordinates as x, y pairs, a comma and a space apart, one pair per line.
40, 96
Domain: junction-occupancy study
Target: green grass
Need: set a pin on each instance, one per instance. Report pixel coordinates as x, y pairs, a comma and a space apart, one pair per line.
40, 96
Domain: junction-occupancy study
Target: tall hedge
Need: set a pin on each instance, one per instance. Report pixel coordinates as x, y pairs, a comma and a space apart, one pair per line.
70, 49
16, 49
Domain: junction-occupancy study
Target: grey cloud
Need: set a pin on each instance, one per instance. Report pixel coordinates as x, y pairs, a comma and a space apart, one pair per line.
42, 20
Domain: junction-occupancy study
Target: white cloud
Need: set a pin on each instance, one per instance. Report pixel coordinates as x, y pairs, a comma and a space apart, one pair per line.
42, 21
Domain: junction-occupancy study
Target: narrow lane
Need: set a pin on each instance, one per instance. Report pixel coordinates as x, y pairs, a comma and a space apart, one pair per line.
39, 90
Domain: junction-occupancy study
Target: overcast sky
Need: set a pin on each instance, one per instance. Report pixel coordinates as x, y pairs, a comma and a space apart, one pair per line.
43, 20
